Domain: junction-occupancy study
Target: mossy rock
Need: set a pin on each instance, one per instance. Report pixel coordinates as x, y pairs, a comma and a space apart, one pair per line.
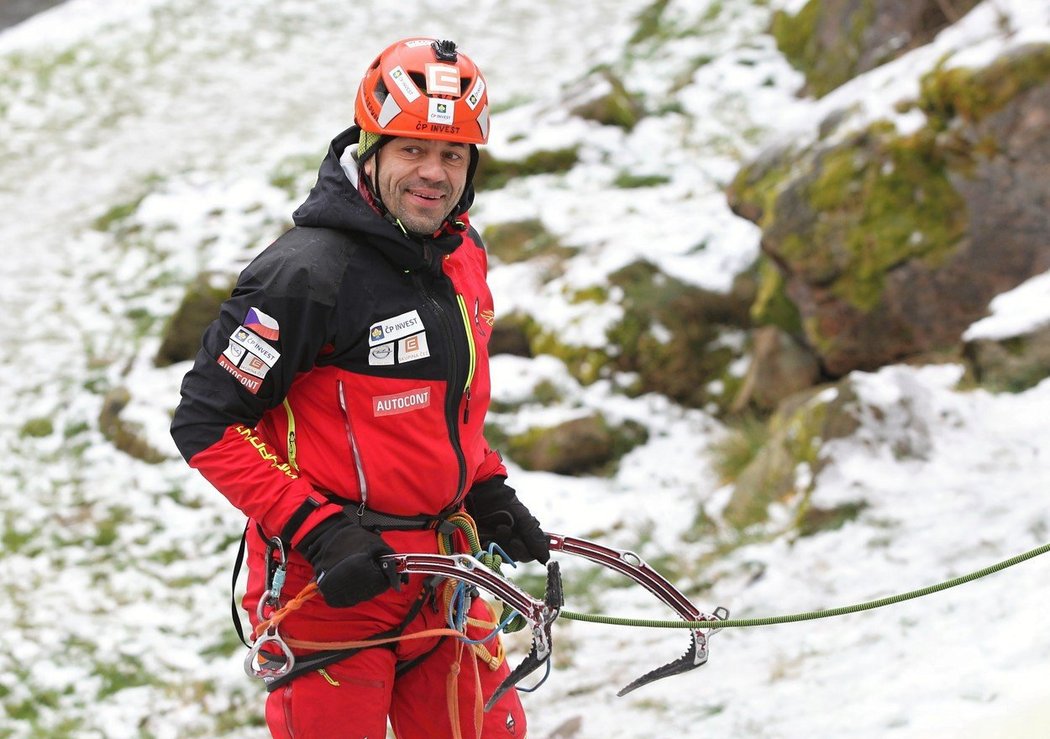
670, 333
772, 305
199, 307
518, 241
588, 445
814, 519
617, 107
494, 173
889, 245
797, 433
510, 335
949, 96
125, 436
1012, 364
833, 41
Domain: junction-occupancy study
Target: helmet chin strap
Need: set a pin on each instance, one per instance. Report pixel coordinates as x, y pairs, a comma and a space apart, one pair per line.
372, 183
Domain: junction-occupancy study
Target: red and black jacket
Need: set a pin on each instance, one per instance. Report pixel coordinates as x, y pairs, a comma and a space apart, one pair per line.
350, 359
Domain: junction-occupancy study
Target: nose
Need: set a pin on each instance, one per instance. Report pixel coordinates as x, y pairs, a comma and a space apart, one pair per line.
431, 166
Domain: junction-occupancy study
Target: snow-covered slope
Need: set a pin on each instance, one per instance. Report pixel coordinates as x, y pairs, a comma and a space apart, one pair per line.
142, 143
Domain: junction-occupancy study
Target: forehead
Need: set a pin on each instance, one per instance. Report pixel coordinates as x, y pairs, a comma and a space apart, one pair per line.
427, 143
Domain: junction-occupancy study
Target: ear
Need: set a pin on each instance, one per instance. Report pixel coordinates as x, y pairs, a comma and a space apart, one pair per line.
369, 166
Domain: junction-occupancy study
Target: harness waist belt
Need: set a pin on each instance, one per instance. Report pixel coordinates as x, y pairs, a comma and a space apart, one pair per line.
376, 521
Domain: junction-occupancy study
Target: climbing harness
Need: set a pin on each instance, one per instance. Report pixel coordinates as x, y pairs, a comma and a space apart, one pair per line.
481, 570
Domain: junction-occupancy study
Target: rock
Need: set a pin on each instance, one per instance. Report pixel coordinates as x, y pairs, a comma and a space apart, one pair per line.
833, 41
787, 466
780, 367
891, 245
587, 445
199, 307
1011, 365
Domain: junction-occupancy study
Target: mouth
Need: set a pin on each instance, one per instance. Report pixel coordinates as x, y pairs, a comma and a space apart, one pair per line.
425, 197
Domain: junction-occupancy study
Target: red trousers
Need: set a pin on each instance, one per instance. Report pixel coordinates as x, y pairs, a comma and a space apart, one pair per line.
439, 696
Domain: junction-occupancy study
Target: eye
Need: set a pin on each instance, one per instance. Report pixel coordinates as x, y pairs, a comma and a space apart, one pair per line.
455, 155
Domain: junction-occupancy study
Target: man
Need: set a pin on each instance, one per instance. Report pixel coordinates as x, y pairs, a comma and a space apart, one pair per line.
339, 401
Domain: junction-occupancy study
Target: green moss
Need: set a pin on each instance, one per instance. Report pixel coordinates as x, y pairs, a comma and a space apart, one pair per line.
37, 428
649, 22
971, 95
12, 539
772, 306
882, 200
494, 173
754, 191
290, 172
812, 520
117, 214
129, 672
626, 180
585, 363
592, 294
588, 445
618, 107
519, 241
126, 436
107, 530
198, 308
670, 333
825, 67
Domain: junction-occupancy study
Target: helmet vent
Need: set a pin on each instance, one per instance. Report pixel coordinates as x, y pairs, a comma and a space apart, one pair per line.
445, 51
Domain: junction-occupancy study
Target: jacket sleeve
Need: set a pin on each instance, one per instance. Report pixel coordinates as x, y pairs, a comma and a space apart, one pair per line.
270, 329
491, 466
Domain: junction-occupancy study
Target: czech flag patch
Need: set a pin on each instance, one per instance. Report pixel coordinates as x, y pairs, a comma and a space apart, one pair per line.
262, 324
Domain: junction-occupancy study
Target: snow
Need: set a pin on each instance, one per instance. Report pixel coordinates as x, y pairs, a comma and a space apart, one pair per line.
183, 115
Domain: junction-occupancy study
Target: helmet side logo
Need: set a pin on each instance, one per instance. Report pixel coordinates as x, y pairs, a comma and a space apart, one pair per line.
404, 84
475, 93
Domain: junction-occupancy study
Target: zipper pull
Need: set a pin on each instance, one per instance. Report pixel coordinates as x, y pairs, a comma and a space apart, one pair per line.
466, 407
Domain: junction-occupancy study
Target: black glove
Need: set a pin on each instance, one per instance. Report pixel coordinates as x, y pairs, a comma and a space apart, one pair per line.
345, 558
503, 519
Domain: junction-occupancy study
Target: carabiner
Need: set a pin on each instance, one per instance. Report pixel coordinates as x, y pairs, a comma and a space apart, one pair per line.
255, 669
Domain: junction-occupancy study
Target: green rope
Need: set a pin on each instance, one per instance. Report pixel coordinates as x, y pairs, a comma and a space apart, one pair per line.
810, 615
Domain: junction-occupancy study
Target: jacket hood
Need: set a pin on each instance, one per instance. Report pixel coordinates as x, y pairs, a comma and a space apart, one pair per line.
335, 202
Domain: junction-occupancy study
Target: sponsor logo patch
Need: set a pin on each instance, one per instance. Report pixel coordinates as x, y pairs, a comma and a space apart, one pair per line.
382, 354
250, 341
253, 365
442, 79
404, 402
404, 83
390, 329
442, 112
251, 384
475, 93
413, 347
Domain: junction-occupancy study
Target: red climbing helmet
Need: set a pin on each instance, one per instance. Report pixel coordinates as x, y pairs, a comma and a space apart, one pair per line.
425, 89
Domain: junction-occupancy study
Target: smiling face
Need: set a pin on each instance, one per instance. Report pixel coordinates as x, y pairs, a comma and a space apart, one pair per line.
420, 180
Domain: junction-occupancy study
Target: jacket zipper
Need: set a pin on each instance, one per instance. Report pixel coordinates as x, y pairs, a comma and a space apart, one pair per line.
292, 452
355, 451
454, 392
473, 355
